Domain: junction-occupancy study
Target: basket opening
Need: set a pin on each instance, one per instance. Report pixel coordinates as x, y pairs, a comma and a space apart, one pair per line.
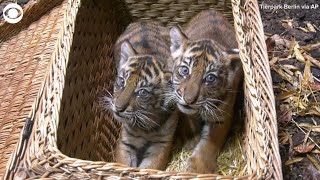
85, 130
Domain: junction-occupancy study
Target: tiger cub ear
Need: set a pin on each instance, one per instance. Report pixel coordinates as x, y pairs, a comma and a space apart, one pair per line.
233, 59
126, 51
178, 40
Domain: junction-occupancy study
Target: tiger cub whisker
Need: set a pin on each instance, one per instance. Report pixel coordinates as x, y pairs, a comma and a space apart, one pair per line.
106, 101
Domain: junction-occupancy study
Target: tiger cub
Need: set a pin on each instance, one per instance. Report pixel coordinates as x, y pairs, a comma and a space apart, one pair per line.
206, 75
141, 54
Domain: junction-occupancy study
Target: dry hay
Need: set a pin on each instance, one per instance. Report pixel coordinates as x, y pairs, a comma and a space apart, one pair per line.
231, 160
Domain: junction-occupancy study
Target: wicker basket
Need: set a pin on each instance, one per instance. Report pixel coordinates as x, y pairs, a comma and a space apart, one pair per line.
56, 65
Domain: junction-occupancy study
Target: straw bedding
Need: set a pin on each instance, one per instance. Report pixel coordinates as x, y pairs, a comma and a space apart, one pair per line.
231, 161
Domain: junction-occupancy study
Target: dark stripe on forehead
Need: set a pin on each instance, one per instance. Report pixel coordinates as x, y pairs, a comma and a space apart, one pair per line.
131, 33
147, 39
156, 71
211, 50
203, 46
150, 84
149, 61
144, 33
197, 48
134, 64
187, 60
148, 72
126, 74
143, 82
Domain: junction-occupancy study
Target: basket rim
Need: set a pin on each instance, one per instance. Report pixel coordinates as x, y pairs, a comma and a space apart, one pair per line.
100, 166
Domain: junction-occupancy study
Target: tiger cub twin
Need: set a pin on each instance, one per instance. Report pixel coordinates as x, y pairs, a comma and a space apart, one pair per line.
141, 55
196, 69
206, 75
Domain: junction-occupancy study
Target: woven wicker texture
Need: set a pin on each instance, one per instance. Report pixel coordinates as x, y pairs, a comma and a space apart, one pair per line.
170, 12
31, 12
24, 60
70, 126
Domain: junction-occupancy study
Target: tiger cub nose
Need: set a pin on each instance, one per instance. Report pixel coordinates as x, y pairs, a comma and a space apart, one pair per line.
120, 107
191, 93
190, 100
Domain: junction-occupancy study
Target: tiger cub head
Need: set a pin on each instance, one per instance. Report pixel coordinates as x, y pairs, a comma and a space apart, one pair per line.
138, 90
203, 75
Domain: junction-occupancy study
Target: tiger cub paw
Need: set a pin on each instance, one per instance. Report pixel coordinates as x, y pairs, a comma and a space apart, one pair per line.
203, 165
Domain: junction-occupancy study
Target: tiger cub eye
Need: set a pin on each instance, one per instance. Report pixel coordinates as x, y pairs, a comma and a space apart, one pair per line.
210, 78
143, 93
183, 70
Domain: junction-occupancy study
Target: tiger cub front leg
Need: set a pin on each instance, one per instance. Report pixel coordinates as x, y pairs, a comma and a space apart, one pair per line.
157, 157
125, 155
205, 154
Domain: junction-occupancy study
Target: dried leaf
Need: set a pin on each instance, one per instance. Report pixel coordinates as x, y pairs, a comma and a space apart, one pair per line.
279, 41
316, 128
288, 24
298, 54
315, 87
305, 125
290, 67
316, 151
285, 95
314, 111
294, 160
284, 137
298, 103
287, 69
310, 27
311, 112
273, 60
311, 47
283, 74
304, 148
303, 29
314, 161
311, 59
307, 76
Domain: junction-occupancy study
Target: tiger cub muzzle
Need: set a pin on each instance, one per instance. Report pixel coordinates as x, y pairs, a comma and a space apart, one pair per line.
201, 75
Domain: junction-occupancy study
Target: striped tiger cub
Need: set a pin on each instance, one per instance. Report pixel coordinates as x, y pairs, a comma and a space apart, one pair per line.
141, 55
206, 75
